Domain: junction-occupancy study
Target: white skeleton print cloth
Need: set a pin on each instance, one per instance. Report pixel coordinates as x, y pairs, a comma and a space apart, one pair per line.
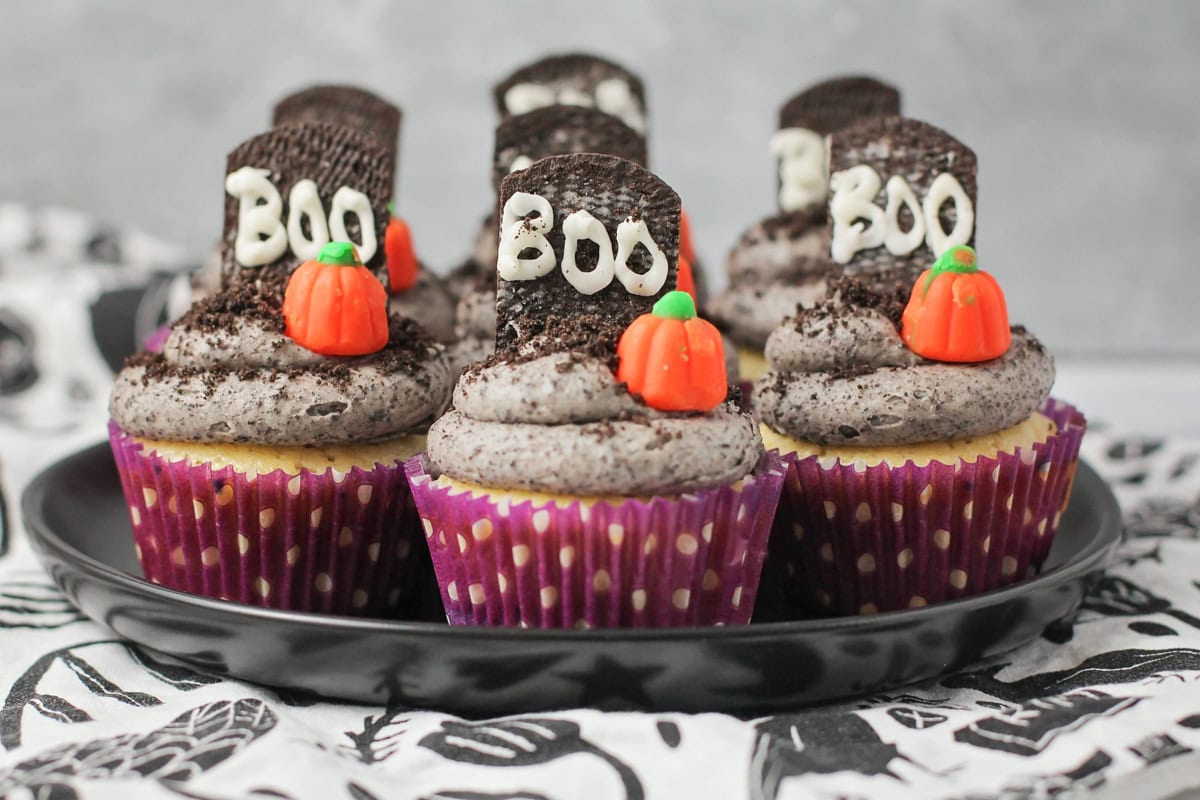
1109, 707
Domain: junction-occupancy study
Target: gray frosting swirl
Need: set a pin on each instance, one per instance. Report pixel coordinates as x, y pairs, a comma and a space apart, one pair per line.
475, 314
847, 378
768, 255
829, 342
551, 390
646, 456
250, 384
429, 304
562, 423
749, 312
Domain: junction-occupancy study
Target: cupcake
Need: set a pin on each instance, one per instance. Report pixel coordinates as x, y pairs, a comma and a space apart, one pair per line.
261, 452
591, 473
927, 459
782, 262
414, 291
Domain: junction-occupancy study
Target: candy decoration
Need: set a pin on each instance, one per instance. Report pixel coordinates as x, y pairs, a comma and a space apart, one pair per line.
956, 312
402, 264
673, 359
685, 237
335, 306
685, 282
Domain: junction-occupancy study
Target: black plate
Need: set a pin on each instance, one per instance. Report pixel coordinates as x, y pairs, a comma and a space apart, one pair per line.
76, 516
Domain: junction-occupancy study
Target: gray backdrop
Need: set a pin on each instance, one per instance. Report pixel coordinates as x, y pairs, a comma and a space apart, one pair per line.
1085, 117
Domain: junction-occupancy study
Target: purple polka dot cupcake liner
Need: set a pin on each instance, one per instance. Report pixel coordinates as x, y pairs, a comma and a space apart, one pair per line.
330, 542
694, 559
859, 540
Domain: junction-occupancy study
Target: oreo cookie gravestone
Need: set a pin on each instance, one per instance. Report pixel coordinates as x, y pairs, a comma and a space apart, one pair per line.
558, 130
587, 243
348, 106
293, 189
902, 193
782, 262
521, 141
805, 123
574, 79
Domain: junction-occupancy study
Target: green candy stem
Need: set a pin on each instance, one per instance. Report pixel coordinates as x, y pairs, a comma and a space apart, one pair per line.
675, 305
960, 259
340, 253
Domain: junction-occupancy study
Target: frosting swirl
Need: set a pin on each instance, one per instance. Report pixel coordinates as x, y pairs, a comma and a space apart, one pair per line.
841, 375
562, 423
784, 248
781, 263
235, 377
429, 304
749, 312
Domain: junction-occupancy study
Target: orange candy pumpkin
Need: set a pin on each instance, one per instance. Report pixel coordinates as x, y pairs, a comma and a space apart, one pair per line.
956, 312
673, 359
335, 306
401, 258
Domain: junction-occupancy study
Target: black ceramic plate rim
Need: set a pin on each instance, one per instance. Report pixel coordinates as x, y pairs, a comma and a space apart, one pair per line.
1095, 556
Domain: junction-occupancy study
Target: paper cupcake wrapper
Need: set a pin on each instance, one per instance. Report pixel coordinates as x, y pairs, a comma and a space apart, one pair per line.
689, 560
331, 542
855, 540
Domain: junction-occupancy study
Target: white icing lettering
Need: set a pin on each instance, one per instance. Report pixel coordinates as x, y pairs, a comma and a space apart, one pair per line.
519, 232
577, 227
522, 98
852, 202
803, 167
946, 187
351, 201
261, 237
303, 201
859, 224
613, 96
570, 96
629, 235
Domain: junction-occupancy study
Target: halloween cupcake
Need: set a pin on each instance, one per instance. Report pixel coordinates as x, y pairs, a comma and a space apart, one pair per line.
593, 472
928, 461
782, 262
414, 291
261, 451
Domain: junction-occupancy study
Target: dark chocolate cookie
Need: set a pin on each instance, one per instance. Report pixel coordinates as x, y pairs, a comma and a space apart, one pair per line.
343, 166
342, 105
561, 130
547, 305
901, 193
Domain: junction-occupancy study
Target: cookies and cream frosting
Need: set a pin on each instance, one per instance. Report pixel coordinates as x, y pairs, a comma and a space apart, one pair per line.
234, 376
842, 375
563, 424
